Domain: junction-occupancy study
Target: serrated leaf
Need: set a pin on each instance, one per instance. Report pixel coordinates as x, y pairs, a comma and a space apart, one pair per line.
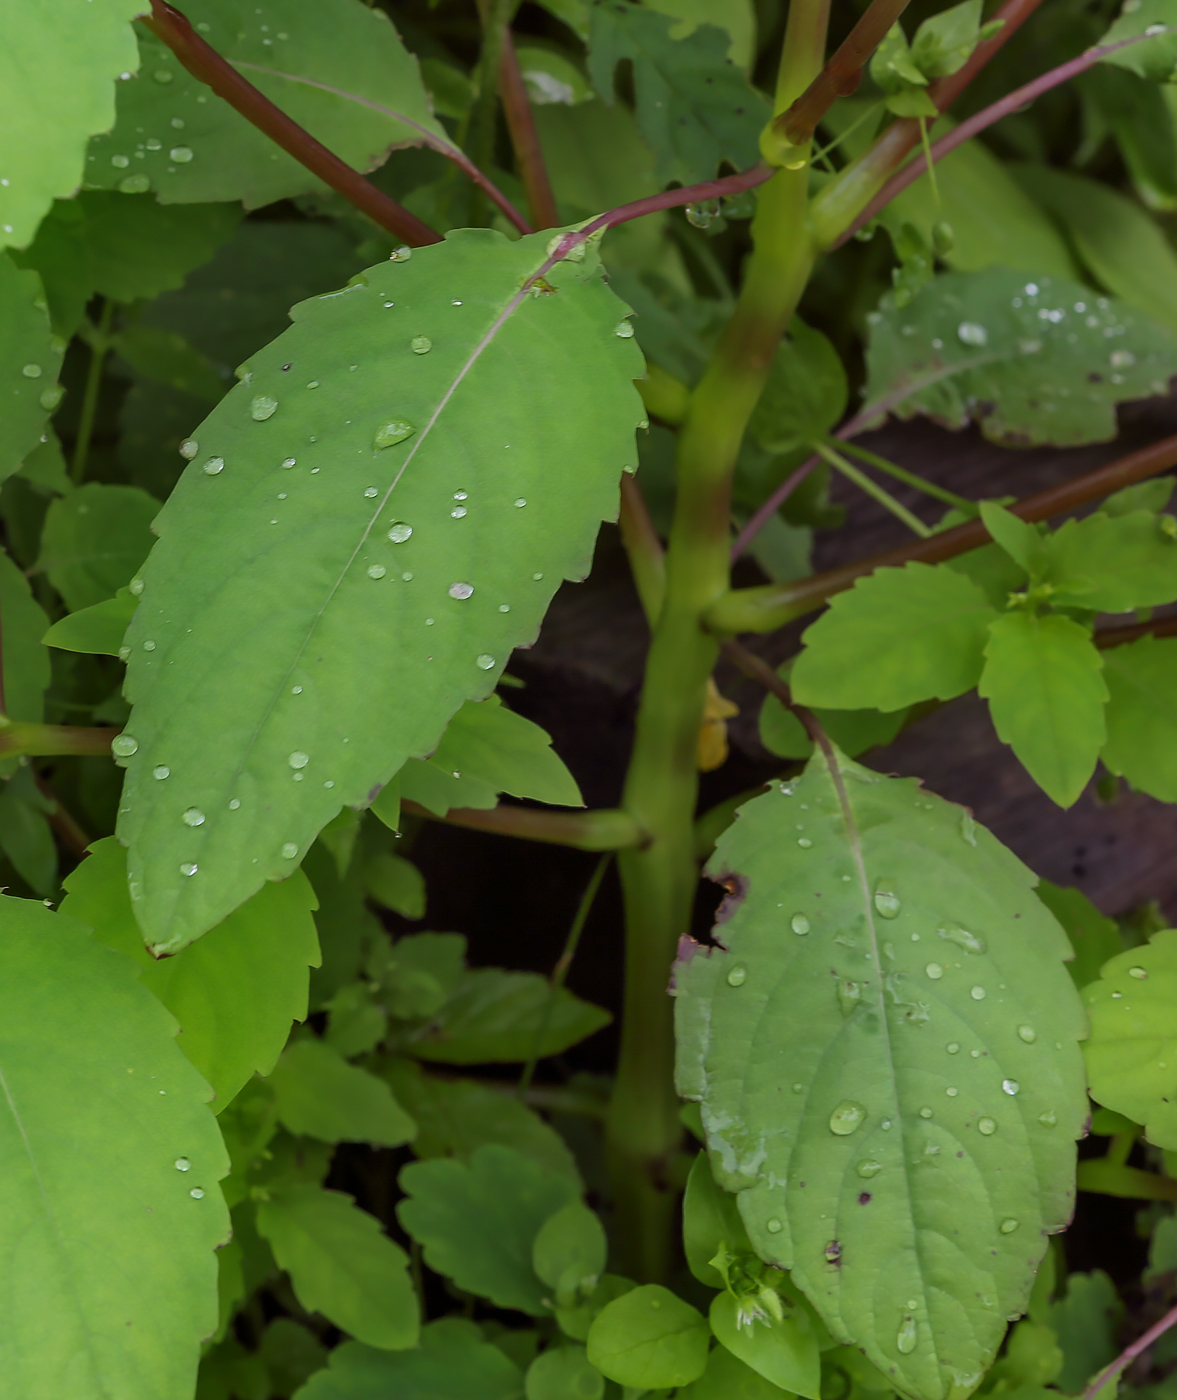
564, 1373
307, 656
452, 1363
26, 662
784, 1352
30, 361
1132, 1047
1142, 715
494, 745
342, 1265
649, 1338
117, 1279
94, 539
478, 1223
905, 1180
727, 1378
338, 68
1113, 563
805, 394
896, 637
1154, 58
437, 789
1094, 937
570, 1250
1023, 542
97, 630
58, 66
237, 991
1044, 683
318, 1093
1030, 361
694, 106
1086, 1322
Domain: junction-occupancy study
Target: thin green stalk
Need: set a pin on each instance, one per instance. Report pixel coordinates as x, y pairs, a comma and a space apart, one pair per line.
99, 344
872, 489
883, 464
496, 18
926, 145
560, 971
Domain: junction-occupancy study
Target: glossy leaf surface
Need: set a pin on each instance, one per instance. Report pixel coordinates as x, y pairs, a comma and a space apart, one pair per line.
902, 1139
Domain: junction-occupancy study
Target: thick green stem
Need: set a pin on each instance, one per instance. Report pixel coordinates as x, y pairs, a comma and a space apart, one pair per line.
643, 1126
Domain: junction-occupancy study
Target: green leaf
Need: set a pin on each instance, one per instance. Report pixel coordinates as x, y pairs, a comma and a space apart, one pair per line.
26, 837
98, 630
649, 1338
805, 394
495, 746
302, 651
1134, 1037
1044, 683
342, 1265
57, 83
420, 973
452, 1363
497, 1016
694, 106
564, 1373
456, 1116
1113, 563
727, 1378
117, 1279
1142, 715
1154, 58
478, 1223
854, 731
437, 789
235, 993
163, 357
127, 247
737, 17
320, 1094
570, 1251
1086, 1323
1023, 542
944, 42
338, 68
292, 1353
94, 540
891, 65
896, 637
783, 1352
30, 361
711, 1223
396, 883
1030, 361
26, 662
888, 1162
1094, 937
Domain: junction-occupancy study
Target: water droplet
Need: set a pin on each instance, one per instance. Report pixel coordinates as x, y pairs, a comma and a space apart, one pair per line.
1137, 972
1122, 359
952, 1093
504, 607
1010, 1086
401, 254
954, 933
847, 1118
193, 817
178, 123
163, 75
420, 345
161, 771
460, 590
290, 461
774, 1226
289, 851
953, 1047
183, 1164
977, 993
537, 577
189, 448
868, 1167
624, 330
298, 759
737, 976
1028, 1034
181, 154
124, 653
521, 501
32, 371
124, 746
407, 576
393, 431
189, 868
905, 1340
262, 407
234, 804
804, 842
1008, 1226
849, 996
485, 662
458, 512
196, 1193
799, 924
120, 162
376, 570
214, 465
371, 491
971, 333
400, 532
886, 900
986, 1127
1048, 1119
934, 971
149, 645
136, 184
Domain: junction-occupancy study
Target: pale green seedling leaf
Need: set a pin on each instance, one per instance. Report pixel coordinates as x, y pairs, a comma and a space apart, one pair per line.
98, 629
1094, 937
336, 67
1030, 360
94, 540
318, 1093
727, 1378
452, 1363
26, 662
649, 1338
1141, 745
784, 1352
30, 361
110, 1233
1155, 57
300, 650
805, 394
1044, 682
694, 106
477, 1223
342, 1265
1023, 542
1132, 1049
896, 637
494, 745
901, 1140
58, 69
1113, 563
944, 42
236, 992
564, 1373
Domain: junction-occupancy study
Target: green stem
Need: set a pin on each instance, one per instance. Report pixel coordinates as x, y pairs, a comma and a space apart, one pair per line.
603, 830
99, 341
643, 1129
872, 489
496, 17
48, 740
929, 488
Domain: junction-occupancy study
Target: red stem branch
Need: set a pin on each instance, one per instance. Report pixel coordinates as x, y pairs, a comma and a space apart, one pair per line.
541, 202
1129, 1355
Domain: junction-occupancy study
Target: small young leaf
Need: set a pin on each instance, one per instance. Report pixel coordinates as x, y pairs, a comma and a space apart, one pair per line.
1133, 1037
1044, 683
1154, 58
1142, 715
478, 1223
437, 789
320, 1094
897, 637
94, 540
805, 394
421, 972
710, 1223
650, 1339
292, 1354
1023, 542
452, 1363
570, 1250
1040, 360
492, 744
1086, 1323
854, 731
564, 1373
98, 629
899, 1134
30, 361
1094, 937
1113, 563
783, 1352
396, 883
342, 1265
944, 42
26, 837
727, 1378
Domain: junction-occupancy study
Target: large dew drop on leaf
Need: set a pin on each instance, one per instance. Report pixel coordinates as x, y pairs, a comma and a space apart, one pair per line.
885, 1047
371, 522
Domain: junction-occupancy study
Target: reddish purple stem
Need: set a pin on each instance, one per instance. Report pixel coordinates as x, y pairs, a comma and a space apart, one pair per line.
1129, 1355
